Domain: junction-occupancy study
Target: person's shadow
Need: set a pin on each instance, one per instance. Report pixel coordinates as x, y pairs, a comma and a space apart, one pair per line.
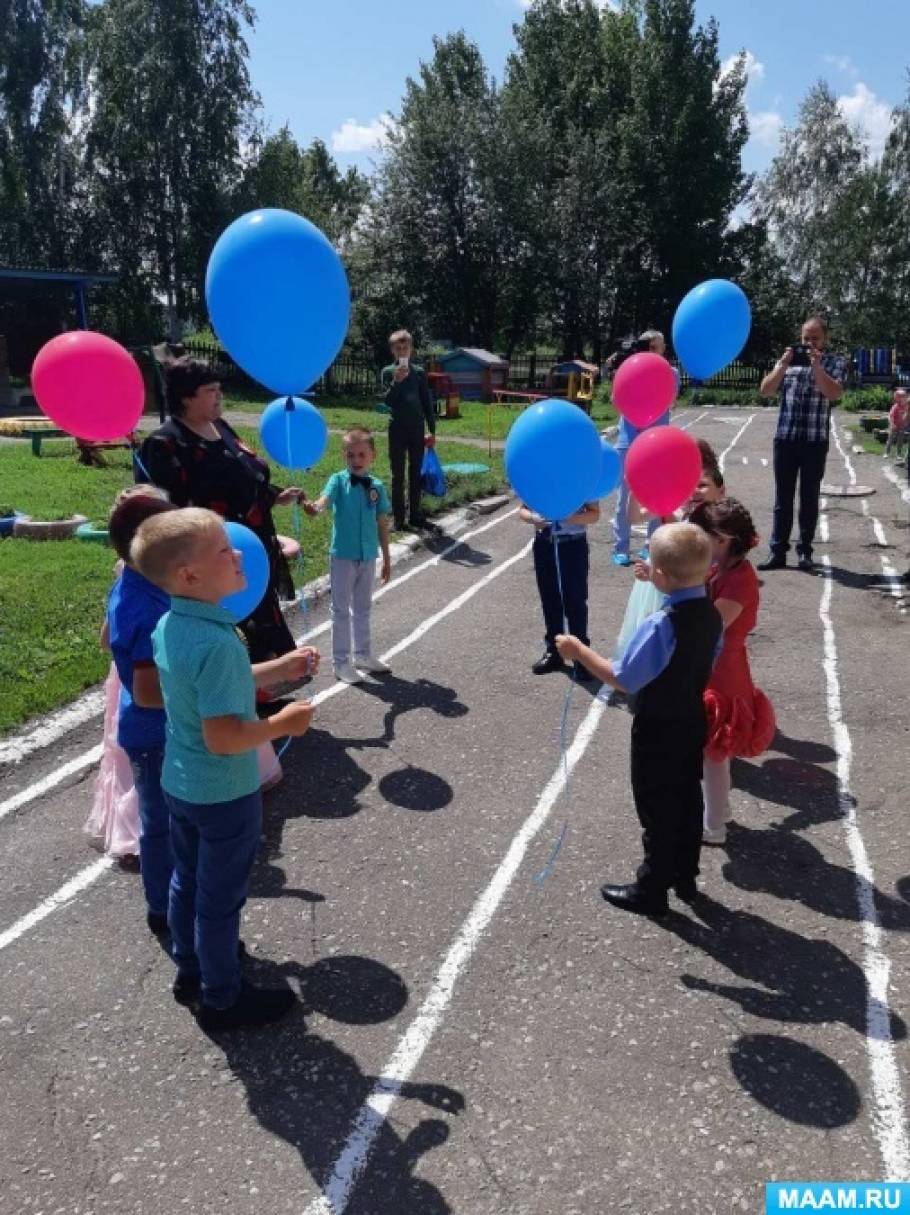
302, 1087
464, 554
808, 790
787, 977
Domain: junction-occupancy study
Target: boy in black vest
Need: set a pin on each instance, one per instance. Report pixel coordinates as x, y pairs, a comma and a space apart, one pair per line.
665, 669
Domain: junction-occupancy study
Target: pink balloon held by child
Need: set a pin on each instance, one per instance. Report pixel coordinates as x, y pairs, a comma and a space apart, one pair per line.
644, 388
663, 467
89, 386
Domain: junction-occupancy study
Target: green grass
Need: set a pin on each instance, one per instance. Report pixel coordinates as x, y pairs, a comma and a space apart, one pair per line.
52, 594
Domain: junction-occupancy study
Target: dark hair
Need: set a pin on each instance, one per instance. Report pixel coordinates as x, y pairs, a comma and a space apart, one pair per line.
184, 379
127, 516
728, 518
708, 456
819, 320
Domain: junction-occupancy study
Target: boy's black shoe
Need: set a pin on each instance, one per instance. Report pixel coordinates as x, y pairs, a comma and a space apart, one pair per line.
399, 525
583, 675
806, 564
687, 891
774, 562
548, 661
157, 922
253, 1008
187, 989
631, 898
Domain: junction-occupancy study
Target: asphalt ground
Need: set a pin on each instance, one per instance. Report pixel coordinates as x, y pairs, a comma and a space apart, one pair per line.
478, 1032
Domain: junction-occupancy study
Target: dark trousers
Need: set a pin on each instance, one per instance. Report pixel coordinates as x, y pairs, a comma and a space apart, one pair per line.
666, 785
795, 459
570, 609
405, 446
155, 860
214, 849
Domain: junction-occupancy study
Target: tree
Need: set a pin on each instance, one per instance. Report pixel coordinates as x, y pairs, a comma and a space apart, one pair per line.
171, 106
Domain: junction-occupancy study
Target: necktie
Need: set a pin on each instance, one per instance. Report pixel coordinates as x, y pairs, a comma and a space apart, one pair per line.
366, 482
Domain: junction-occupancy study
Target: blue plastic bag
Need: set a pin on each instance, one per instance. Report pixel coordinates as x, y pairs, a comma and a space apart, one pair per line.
432, 478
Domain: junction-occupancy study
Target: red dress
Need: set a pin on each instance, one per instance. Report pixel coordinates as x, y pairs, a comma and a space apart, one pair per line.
740, 716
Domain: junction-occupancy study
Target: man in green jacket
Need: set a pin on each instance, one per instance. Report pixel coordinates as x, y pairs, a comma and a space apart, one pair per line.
407, 395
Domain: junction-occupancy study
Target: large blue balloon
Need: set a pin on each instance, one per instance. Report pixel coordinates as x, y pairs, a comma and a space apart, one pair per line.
278, 298
610, 471
710, 327
255, 567
293, 432
553, 458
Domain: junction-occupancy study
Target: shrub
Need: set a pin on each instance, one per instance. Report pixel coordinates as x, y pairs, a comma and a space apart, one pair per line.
861, 400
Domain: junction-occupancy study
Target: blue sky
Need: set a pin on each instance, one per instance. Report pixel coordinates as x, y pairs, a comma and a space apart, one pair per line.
333, 68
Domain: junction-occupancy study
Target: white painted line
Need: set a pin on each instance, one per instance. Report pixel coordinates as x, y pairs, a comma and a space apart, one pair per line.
91, 705
723, 455
889, 573
895, 480
764, 462
745, 459
80, 764
407, 1054
93, 872
85, 878
703, 414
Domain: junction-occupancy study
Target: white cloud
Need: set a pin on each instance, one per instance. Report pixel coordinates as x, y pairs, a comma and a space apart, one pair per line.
863, 109
843, 63
765, 127
755, 70
354, 136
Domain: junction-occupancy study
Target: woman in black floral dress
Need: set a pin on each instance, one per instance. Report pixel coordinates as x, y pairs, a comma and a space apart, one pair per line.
201, 461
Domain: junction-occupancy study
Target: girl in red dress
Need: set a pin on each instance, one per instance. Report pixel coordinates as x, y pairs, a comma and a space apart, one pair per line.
740, 717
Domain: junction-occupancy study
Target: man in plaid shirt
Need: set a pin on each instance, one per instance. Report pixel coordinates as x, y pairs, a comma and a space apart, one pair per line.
801, 441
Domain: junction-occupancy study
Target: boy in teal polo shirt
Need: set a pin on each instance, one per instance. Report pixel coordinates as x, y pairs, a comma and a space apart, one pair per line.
210, 774
360, 528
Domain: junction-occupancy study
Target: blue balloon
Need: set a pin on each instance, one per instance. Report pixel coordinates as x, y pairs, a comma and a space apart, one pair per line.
710, 327
255, 567
278, 298
293, 432
553, 458
610, 471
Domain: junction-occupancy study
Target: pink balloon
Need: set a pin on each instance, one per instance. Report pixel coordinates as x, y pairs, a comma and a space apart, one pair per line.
662, 468
88, 385
644, 388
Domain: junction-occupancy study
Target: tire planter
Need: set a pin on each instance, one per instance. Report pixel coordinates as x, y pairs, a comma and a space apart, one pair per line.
94, 535
56, 529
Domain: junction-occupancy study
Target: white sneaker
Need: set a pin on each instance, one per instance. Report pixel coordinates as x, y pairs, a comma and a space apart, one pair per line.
366, 662
717, 837
347, 673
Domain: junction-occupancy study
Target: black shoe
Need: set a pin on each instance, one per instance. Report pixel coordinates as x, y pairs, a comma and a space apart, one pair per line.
253, 1008
806, 564
774, 562
548, 662
157, 922
398, 526
630, 898
583, 675
187, 989
687, 891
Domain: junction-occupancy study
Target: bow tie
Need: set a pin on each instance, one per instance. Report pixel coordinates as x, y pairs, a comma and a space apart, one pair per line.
366, 482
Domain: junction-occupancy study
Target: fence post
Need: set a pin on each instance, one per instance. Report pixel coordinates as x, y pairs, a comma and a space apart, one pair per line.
532, 371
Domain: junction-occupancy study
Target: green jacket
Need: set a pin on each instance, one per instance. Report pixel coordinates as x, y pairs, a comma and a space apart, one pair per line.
409, 402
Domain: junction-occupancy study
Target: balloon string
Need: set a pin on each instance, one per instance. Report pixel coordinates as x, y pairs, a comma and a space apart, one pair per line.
550, 865
137, 461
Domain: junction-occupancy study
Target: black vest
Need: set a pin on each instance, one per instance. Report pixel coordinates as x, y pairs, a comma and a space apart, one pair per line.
677, 691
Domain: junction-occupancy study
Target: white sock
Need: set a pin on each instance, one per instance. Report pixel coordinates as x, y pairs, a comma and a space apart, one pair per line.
716, 780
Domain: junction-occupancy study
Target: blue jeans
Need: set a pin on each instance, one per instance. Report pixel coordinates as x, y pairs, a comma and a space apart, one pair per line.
214, 849
622, 527
154, 826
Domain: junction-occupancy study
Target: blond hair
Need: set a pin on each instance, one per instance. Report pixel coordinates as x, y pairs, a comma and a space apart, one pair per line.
683, 552
400, 335
359, 434
165, 542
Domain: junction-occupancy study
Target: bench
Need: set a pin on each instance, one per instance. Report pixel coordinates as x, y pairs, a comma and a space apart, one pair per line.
36, 435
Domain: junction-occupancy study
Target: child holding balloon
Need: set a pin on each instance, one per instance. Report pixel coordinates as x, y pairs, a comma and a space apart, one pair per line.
740, 716
209, 774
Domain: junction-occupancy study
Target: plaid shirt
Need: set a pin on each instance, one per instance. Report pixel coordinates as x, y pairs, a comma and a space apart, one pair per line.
804, 413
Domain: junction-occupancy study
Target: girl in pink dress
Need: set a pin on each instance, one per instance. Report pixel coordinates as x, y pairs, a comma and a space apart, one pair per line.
740, 716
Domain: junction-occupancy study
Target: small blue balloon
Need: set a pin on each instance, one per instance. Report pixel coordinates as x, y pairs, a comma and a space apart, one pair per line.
255, 567
278, 298
293, 432
710, 327
553, 458
610, 472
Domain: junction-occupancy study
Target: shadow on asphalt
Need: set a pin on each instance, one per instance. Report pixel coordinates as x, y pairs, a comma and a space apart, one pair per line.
301, 1087
464, 554
807, 790
786, 977
795, 1081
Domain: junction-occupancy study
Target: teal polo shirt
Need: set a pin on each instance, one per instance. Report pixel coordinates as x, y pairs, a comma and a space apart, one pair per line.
356, 510
204, 669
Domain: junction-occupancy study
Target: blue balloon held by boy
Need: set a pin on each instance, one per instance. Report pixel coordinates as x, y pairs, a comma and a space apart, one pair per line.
294, 432
610, 472
255, 569
711, 326
278, 298
554, 459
